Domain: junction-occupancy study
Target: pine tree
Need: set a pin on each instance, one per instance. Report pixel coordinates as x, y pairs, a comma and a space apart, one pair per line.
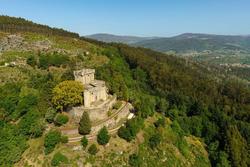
103, 136
84, 124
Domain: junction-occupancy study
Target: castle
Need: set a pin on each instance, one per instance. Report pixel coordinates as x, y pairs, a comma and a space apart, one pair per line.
94, 90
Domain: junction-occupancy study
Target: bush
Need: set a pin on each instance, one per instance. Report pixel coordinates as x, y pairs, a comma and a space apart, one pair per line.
154, 140
84, 142
84, 124
117, 105
50, 115
31, 60
58, 159
103, 136
64, 139
61, 119
52, 138
160, 122
132, 127
134, 160
93, 149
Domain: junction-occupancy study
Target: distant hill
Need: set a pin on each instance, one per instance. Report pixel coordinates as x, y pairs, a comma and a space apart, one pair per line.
197, 42
118, 39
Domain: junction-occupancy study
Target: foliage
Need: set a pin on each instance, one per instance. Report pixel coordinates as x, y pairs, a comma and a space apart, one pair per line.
61, 119
12, 144
160, 122
154, 140
31, 60
31, 124
52, 138
84, 142
92, 149
50, 115
103, 136
132, 127
67, 93
14, 25
134, 160
117, 105
55, 59
59, 159
84, 124
64, 139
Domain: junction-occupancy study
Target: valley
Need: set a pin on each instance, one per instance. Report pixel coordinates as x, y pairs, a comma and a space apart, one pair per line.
184, 112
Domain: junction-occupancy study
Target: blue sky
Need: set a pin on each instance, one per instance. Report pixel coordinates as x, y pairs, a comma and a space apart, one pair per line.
136, 17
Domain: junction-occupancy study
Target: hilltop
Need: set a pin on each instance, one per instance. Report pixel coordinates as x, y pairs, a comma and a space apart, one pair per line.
185, 113
118, 39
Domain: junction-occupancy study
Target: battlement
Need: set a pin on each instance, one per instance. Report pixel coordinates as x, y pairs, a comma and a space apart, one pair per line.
84, 72
85, 76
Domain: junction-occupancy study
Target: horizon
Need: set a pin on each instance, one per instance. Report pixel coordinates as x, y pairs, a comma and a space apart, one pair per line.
148, 19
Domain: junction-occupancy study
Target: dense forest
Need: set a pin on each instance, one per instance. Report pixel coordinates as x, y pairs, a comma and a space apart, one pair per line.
14, 25
197, 102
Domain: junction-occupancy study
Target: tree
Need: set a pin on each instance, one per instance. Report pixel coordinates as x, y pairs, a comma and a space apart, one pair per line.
61, 119
52, 138
93, 149
67, 93
84, 142
103, 136
236, 145
84, 124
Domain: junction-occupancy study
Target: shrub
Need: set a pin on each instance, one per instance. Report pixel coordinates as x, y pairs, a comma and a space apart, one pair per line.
132, 127
52, 138
61, 119
84, 124
58, 159
31, 60
160, 122
84, 142
103, 136
93, 149
154, 140
50, 115
117, 105
134, 160
64, 139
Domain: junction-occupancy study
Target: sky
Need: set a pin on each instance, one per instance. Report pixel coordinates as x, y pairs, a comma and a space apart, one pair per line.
136, 17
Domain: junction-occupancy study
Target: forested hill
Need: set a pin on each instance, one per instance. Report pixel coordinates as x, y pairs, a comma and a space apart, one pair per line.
14, 25
118, 38
186, 115
197, 42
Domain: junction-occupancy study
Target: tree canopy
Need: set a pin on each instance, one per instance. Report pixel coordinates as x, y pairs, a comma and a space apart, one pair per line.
67, 93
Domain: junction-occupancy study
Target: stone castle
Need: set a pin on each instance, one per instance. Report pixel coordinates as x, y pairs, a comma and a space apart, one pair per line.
97, 101
94, 90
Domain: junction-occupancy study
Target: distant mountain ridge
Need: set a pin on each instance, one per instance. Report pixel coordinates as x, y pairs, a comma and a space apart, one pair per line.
181, 43
197, 42
118, 39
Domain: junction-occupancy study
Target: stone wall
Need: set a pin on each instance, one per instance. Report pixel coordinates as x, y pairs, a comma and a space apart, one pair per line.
95, 113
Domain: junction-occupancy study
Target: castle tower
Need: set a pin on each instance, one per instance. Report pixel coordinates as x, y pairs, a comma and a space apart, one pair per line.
94, 90
85, 76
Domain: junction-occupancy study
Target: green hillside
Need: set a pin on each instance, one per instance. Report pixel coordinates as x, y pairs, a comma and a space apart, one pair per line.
185, 114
